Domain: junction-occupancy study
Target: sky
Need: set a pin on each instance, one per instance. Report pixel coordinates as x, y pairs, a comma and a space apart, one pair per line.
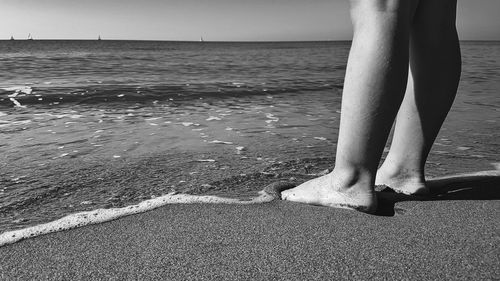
215, 20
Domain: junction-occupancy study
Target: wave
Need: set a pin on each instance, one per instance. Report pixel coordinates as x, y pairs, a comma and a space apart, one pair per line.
93, 94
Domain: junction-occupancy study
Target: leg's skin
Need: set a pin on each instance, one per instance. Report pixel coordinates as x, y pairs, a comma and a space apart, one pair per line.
374, 87
435, 71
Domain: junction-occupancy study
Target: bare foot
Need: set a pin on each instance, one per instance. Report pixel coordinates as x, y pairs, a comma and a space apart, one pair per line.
332, 191
402, 182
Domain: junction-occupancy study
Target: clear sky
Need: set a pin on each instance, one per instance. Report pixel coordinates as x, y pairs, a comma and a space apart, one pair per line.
229, 20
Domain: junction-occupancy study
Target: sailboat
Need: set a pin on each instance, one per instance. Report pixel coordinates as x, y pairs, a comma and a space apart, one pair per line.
12, 38
30, 37
201, 39
99, 38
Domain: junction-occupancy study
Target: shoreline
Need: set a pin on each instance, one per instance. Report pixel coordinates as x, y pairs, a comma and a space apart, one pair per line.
98, 216
423, 240
441, 186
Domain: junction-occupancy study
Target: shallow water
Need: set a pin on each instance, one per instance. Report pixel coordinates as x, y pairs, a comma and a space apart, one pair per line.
110, 123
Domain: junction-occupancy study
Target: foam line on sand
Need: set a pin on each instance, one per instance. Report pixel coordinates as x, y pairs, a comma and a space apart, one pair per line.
270, 193
104, 215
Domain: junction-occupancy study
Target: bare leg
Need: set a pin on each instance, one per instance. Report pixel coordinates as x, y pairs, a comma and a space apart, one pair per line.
373, 91
435, 68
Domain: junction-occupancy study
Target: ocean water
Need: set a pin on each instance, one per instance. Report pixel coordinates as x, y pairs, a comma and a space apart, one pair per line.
99, 124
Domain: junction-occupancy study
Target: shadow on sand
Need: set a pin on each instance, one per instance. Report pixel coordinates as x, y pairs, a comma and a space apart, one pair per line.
479, 186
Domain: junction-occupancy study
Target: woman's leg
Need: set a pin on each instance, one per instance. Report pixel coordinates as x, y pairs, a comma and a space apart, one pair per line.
374, 87
435, 71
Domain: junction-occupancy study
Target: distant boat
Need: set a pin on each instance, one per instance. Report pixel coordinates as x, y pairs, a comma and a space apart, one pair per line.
99, 38
201, 39
12, 38
30, 37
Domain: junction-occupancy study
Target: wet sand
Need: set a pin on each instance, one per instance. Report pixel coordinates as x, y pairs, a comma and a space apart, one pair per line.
451, 235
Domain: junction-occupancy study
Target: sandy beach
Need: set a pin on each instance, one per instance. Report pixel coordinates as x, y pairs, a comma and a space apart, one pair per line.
235, 119
451, 235
202, 140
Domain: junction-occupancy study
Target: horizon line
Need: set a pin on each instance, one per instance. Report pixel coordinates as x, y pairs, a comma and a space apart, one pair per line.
218, 41
166, 40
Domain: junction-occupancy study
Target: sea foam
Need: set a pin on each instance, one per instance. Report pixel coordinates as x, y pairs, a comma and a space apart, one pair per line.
18, 90
104, 215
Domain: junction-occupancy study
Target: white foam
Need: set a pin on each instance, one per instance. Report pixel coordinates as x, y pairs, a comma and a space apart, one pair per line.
465, 177
16, 103
271, 118
104, 215
19, 89
221, 142
205, 160
210, 118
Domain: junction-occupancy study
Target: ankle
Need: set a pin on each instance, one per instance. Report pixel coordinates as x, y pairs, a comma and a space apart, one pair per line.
390, 169
352, 177
402, 179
